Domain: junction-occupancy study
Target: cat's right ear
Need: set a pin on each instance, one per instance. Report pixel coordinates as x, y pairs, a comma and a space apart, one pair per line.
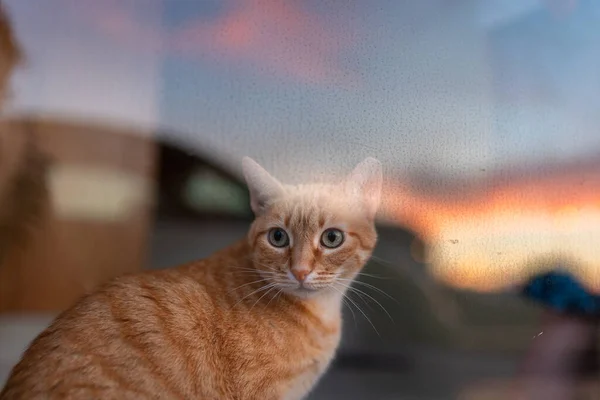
365, 182
262, 186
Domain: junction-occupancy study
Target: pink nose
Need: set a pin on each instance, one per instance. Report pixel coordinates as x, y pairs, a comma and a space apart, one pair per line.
300, 274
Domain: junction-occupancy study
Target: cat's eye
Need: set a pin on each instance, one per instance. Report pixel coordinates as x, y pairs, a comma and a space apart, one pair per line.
278, 237
332, 238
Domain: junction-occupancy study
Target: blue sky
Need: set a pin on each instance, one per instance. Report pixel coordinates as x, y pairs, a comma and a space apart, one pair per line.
319, 85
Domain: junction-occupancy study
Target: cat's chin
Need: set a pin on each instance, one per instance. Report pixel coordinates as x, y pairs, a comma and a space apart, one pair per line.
303, 292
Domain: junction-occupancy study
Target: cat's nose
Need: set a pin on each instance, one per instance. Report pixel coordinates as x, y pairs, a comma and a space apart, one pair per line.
300, 274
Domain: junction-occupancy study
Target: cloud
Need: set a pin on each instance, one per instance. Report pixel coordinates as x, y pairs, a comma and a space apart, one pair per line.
276, 35
119, 21
280, 37
495, 236
561, 8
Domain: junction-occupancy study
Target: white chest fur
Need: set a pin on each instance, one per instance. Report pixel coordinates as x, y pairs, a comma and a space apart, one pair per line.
315, 369
316, 366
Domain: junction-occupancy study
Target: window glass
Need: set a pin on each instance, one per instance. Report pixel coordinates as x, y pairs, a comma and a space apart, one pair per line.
209, 192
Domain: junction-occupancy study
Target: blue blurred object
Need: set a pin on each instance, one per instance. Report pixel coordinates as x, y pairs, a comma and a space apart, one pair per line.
561, 292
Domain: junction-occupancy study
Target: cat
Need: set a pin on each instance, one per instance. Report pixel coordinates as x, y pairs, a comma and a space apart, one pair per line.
258, 320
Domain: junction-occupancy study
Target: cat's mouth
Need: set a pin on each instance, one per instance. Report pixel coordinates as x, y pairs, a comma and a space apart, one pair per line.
305, 289
304, 292
300, 289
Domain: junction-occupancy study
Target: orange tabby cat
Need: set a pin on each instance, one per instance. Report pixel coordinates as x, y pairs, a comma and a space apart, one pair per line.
258, 320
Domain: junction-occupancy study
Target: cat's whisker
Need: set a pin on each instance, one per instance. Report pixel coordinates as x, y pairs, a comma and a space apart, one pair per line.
261, 297
351, 311
363, 313
253, 268
245, 269
273, 297
249, 275
349, 291
429, 289
259, 274
241, 271
346, 304
250, 272
358, 291
370, 287
384, 262
372, 276
262, 265
399, 266
246, 284
268, 286
381, 260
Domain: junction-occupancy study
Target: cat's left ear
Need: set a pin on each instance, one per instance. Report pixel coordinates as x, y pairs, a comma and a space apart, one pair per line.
366, 181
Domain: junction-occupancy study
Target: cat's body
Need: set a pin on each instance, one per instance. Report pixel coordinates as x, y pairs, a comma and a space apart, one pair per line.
258, 320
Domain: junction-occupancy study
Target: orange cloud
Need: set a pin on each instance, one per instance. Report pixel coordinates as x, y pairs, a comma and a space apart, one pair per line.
499, 233
274, 36
556, 190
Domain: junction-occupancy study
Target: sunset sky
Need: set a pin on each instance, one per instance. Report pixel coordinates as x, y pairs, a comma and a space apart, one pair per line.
495, 235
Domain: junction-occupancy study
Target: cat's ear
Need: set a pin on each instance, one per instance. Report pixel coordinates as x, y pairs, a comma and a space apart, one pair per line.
365, 182
262, 186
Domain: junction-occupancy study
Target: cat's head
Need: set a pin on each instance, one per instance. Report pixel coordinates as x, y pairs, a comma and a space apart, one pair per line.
313, 238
